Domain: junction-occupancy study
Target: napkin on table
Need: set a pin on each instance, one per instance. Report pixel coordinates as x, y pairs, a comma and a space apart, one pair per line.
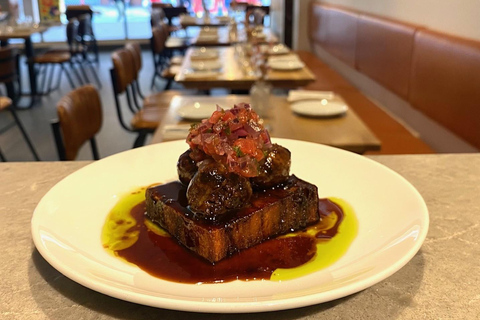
299, 95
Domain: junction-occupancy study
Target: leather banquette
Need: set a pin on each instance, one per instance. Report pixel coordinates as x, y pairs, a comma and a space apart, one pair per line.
436, 73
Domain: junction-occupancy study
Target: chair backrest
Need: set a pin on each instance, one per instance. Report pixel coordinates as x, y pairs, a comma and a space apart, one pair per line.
157, 16
258, 17
7, 65
159, 38
74, 11
80, 119
124, 69
256, 14
161, 5
136, 52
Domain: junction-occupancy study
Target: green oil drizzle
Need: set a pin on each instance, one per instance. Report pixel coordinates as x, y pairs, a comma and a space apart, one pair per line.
328, 252
121, 231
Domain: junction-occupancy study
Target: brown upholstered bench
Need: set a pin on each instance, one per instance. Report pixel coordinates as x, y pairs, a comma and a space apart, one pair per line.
431, 73
395, 138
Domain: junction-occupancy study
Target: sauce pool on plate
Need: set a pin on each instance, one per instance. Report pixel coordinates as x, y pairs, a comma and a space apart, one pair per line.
127, 234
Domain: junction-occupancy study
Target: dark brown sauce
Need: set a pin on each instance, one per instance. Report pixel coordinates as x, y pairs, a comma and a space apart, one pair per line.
162, 257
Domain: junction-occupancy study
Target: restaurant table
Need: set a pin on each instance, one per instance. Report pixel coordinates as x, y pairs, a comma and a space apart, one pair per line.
440, 282
233, 75
346, 132
211, 21
227, 37
26, 35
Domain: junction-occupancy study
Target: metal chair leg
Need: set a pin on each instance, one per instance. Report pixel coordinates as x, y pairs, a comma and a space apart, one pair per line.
2, 157
95, 75
77, 75
24, 133
50, 80
140, 140
70, 80
168, 84
82, 71
57, 86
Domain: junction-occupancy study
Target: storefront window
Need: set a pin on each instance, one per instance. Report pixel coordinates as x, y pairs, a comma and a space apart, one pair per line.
115, 19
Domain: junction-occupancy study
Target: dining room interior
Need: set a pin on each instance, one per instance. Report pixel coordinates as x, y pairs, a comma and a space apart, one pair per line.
349, 61
388, 86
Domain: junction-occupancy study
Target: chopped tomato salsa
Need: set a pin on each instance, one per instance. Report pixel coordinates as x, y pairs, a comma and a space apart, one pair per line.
235, 137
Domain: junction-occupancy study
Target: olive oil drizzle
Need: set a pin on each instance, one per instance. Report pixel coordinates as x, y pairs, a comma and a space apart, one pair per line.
128, 235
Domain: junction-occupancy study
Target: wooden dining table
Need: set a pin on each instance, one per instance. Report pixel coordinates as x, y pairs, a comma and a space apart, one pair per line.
210, 21
236, 74
226, 36
347, 132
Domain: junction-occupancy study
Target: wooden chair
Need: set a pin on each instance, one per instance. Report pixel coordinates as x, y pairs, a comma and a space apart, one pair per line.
84, 14
146, 116
79, 51
136, 53
86, 35
256, 14
75, 11
8, 68
159, 15
166, 65
62, 57
79, 120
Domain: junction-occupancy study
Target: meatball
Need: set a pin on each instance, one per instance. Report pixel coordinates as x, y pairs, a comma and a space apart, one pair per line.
274, 168
186, 167
213, 190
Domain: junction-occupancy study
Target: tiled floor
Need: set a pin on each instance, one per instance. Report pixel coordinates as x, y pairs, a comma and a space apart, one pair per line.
111, 139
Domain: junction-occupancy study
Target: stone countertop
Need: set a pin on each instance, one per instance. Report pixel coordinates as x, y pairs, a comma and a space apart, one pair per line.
442, 281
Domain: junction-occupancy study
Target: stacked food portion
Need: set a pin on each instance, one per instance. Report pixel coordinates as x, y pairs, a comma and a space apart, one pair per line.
234, 190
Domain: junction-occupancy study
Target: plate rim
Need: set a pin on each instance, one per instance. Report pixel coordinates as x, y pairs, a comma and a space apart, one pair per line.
243, 306
342, 109
190, 105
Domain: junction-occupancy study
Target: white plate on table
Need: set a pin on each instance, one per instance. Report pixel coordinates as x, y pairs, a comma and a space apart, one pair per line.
320, 107
204, 54
392, 220
286, 65
196, 111
278, 49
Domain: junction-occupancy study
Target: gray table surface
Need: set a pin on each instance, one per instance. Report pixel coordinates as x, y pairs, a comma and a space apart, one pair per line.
441, 282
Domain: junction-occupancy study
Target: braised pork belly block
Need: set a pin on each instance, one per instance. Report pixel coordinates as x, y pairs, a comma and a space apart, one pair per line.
291, 206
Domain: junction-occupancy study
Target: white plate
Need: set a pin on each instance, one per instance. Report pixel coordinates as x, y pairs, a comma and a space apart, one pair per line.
197, 111
393, 222
319, 108
286, 65
278, 49
204, 54
205, 65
